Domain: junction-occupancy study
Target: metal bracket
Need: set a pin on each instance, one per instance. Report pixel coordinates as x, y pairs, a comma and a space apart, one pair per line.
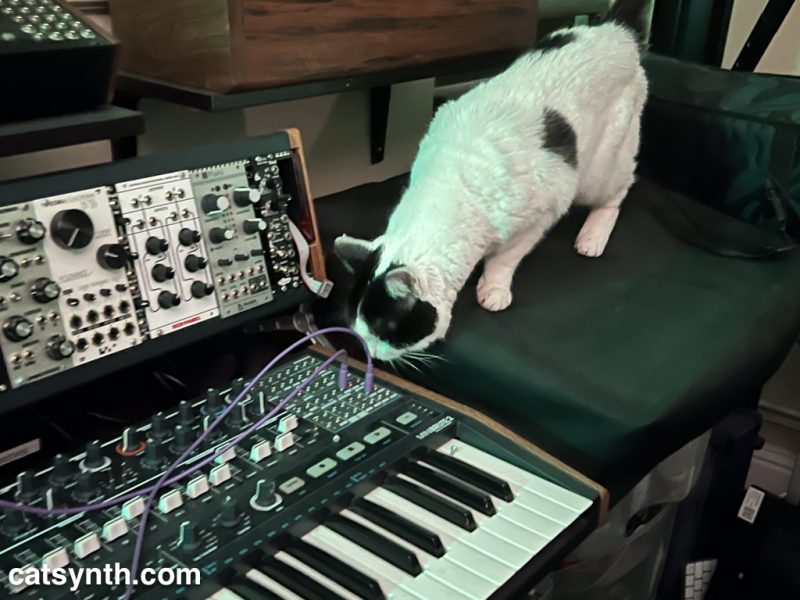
379, 99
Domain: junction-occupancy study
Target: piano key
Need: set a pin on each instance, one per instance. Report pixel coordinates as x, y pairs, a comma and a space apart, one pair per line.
546, 507
446, 531
451, 487
508, 530
469, 473
249, 590
476, 560
226, 594
387, 576
515, 475
400, 526
478, 517
504, 549
435, 504
427, 587
294, 580
466, 581
315, 575
271, 585
333, 568
532, 520
375, 543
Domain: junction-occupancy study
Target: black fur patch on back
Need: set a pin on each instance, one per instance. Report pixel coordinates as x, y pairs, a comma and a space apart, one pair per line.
400, 323
559, 137
361, 279
554, 41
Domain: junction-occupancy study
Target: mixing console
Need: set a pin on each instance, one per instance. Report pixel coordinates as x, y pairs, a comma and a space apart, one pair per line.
102, 260
343, 493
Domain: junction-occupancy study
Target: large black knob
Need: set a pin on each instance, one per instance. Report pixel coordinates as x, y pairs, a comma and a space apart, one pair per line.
8, 268
72, 229
254, 225
17, 328
84, 488
213, 401
14, 522
218, 235
168, 300
156, 246
187, 537
265, 497
194, 263
163, 272
111, 256
212, 203
201, 289
183, 439
94, 456
185, 413
189, 237
153, 454
158, 427
245, 196
44, 290
62, 470
26, 486
30, 231
58, 347
228, 513
131, 442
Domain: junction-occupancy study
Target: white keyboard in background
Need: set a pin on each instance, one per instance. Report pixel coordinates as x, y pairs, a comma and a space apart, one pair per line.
457, 523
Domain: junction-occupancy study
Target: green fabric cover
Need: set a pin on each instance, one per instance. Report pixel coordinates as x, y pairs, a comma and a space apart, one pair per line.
610, 363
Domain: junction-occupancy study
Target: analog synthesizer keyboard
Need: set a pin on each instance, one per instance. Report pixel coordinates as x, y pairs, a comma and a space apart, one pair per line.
349, 490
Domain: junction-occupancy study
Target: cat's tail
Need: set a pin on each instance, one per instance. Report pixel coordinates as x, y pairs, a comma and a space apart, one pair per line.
630, 14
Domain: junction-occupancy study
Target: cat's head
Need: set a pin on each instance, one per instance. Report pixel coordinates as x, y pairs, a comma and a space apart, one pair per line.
396, 308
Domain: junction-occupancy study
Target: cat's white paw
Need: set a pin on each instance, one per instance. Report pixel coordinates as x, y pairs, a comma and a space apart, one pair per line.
591, 243
493, 297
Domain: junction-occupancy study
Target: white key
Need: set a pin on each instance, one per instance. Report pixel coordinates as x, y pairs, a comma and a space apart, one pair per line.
270, 584
465, 582
224, 594
508, 530
534, 500
427, 587
388, 576
501, 548
446, 531
318, 577
531, 521
476, 560
513, 474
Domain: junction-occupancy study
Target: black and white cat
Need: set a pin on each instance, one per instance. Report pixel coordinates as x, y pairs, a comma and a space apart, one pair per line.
497, 168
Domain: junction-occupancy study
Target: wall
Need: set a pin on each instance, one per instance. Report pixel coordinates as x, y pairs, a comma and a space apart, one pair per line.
783, 54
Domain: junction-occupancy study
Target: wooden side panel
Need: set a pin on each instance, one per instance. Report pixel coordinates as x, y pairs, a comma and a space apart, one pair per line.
182, 41
316, 251
288, 41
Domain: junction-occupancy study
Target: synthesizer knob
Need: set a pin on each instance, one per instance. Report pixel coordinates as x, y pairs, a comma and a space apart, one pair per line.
162, 272
168, 300
94, 457
245, 196
30, 231
14, 522
8, 268
189, 237
254, 225
201, 289
158, 427
187, 537
213, 203
228, 513
153, 454
62, 470
111, 256
58, 347
72, 229
131, 442
213, 402
183, 439
17, 328
84, 489
185, 414
44, 290
219, 235
265, 497
26, 486
194, 263
156, 246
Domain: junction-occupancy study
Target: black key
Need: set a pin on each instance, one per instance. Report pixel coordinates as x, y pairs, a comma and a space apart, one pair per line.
472, 475
294, 580
451, 487
442, 507
335, 570
377, 544
249, 590
400, 526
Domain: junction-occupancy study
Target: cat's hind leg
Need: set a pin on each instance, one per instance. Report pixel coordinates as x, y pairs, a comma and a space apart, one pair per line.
494, 286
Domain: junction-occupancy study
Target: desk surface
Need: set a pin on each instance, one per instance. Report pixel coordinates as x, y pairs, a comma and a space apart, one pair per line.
609, 364
105, 123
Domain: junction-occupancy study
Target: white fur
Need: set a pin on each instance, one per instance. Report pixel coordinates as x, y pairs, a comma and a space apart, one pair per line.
482, 187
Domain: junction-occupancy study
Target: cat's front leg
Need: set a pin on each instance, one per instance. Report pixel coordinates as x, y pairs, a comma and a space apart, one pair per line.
494, 286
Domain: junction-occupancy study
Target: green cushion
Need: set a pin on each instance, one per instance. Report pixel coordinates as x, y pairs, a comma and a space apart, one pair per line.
610, 363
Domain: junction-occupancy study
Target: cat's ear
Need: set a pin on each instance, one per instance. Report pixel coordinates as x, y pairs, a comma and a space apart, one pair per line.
400, 283
352, 251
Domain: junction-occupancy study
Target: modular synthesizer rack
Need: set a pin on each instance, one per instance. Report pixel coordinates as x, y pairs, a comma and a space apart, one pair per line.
346, 491
111, 264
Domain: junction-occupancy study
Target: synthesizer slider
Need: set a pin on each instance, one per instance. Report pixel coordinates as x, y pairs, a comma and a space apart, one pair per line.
346, 492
